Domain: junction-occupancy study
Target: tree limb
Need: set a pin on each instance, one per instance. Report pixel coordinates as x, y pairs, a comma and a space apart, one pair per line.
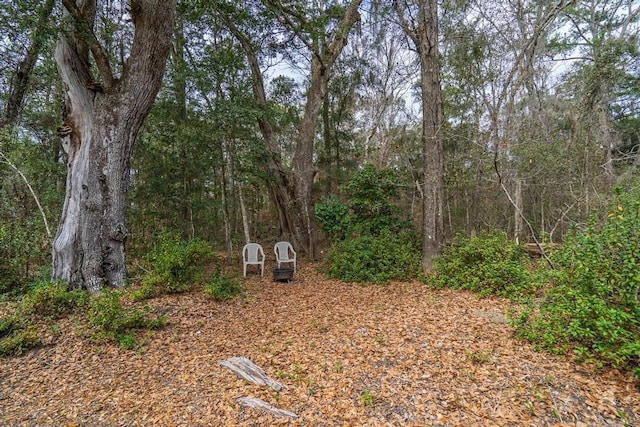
519, 211
33, 193
86, 33
404, 23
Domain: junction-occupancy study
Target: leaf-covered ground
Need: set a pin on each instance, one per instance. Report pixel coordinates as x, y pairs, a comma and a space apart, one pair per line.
347, 355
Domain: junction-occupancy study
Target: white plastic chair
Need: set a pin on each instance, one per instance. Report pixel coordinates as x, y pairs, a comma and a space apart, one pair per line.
285, 253
252, 254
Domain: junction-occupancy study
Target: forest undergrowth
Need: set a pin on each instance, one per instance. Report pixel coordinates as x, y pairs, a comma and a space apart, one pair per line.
384, 355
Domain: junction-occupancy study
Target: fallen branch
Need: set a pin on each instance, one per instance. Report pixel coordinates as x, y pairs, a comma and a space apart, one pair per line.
254, 402
247, 370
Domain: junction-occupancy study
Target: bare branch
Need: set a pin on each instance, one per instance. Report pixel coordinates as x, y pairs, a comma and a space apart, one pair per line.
285, 19
520, 213
6, 160
408, 29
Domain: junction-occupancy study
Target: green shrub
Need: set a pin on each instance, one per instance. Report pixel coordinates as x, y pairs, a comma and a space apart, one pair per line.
147, 290
24, 254
18, 341
375, 259
8, 325
11, 257
45, 301
488, 264
51, 300
112, 321
15, 336
373, 243
173, 265
372, 195
333, 217
223, 288
592, 304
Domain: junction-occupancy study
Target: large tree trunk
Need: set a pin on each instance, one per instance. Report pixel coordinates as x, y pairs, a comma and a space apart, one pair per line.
304, 166
433, 225
100, 126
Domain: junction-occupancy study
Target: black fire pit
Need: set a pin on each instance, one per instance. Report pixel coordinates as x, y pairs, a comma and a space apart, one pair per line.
282, 274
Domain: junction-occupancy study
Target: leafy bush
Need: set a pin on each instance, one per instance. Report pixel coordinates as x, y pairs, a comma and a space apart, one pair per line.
375, 259
373, 243
45, 301
372, 195
371, 209
333, 217
8, 325
174, 265
488, 264
149, 288
592, 305
51, 300
223, 288
18, 340
12, 258
112, 321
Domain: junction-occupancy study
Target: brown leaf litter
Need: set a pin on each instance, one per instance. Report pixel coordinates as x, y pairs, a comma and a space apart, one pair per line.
347, 355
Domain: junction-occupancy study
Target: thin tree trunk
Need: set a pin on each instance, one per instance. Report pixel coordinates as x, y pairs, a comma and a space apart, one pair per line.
5, 159
225, 207
245, 218
326, 137
424, 34
518, 223
303, 161
605, 137
22, 75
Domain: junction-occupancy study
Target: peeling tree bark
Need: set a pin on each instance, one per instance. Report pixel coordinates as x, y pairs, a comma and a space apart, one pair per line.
101, 121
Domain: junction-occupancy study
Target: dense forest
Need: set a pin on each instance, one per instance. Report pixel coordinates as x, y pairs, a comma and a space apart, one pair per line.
413, 152
386, 140
268, 108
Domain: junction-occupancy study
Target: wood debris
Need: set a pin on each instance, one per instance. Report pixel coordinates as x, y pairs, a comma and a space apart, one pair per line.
249, 371
254, 402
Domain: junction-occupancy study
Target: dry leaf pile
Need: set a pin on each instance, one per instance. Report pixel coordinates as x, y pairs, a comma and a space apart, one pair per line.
347, 355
